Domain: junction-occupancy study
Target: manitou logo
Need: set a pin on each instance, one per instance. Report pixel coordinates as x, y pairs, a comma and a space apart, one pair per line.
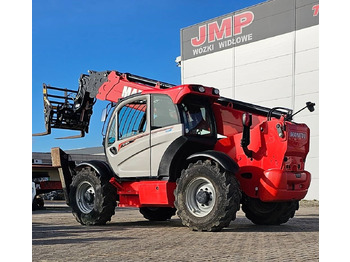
128, 91
298, 135
230, 26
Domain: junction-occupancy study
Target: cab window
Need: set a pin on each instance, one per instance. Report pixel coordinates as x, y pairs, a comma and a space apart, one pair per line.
132, 119
164, 112
111, 133
197, 118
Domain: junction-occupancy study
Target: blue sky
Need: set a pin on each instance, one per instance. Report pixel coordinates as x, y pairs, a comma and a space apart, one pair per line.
140, 37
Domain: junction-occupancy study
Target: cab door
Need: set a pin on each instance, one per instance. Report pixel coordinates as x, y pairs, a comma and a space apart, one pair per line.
127, 142
165, 128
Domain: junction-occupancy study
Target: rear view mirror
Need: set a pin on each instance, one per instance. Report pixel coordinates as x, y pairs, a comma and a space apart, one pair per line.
245, 141
247, 119
310, 106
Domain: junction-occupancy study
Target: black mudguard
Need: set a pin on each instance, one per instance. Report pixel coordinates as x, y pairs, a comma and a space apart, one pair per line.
101, 168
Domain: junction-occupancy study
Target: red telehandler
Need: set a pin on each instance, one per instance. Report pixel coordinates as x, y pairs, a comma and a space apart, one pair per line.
179, 149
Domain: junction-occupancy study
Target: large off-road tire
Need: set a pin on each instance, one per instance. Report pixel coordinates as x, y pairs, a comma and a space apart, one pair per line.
268, 213
207, 198
157, 213
92, 198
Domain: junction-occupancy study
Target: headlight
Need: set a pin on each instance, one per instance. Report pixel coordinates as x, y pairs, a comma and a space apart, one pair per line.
216, 91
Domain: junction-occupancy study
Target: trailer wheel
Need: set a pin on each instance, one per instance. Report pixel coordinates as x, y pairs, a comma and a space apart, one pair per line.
206, 198
38, 203
92, 198
157, 213
268, 213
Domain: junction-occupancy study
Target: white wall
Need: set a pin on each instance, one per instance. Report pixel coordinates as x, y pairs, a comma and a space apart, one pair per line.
277, 71
307, 89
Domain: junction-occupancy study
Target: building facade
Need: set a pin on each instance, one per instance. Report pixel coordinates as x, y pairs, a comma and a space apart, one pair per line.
265, 54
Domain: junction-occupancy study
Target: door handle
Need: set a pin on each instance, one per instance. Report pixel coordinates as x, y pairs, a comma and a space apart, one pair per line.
113, 150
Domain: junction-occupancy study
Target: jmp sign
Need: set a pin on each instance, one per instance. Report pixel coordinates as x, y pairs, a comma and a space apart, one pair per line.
252, 24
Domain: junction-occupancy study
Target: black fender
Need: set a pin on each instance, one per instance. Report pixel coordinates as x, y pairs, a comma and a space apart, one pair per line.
102, 168
174, 157
221, 158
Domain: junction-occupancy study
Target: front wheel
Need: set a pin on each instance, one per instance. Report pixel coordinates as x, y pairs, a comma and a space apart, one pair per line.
92, 198
206, 198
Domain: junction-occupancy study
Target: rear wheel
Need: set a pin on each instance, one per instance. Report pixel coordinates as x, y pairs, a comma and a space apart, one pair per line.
206, 198
268, 213
92, 198
157, 213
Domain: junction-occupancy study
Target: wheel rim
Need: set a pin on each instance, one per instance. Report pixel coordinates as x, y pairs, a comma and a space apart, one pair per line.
85, 197
200, 197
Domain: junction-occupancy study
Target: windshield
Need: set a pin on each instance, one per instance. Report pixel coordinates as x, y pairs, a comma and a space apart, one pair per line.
197, 118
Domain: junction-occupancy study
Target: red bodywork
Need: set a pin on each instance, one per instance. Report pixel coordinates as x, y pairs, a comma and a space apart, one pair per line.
276, 170
274, 173
118, 86
145, 193
272, 170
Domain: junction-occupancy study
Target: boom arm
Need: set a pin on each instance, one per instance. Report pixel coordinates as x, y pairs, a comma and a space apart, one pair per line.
72, 109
